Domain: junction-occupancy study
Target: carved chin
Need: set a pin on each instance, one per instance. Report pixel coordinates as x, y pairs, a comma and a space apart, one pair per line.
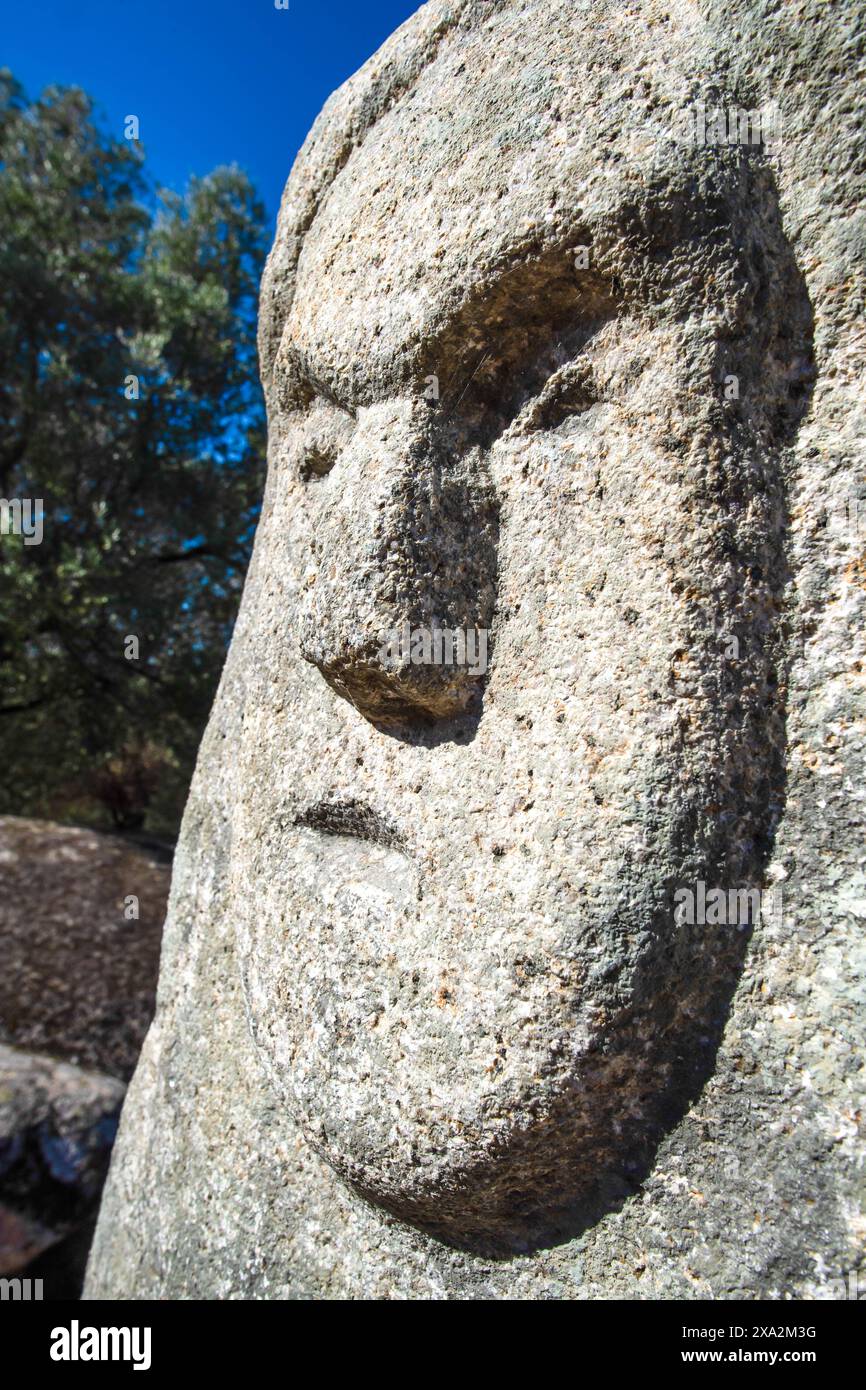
476, 1096
481, 1161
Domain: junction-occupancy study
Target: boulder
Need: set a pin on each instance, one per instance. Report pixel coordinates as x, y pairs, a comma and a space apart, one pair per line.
80, 928
81, 918
57, 1125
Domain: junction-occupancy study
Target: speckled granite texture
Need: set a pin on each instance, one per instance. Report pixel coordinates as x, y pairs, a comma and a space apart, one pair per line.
429, 1025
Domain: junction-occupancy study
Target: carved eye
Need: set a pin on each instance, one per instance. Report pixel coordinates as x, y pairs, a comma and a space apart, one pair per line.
552, 384
328, 431
317, 463
569, 390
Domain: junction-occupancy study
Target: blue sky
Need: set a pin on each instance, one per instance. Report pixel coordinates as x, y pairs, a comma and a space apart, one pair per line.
211, 81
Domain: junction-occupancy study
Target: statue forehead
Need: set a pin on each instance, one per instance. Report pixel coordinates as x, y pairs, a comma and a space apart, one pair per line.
473, 173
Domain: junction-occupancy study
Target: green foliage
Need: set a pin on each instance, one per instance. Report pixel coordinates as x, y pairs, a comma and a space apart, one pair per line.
149, 503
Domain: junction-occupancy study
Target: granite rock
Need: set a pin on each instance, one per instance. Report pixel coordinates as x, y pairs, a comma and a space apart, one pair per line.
57, 1125
543, 359
81, 915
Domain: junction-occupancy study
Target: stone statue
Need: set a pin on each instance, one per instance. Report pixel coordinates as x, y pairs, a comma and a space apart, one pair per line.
492, 802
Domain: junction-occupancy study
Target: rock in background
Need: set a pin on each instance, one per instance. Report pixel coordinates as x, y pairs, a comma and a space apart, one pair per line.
79, 977
57, 1126
78, 983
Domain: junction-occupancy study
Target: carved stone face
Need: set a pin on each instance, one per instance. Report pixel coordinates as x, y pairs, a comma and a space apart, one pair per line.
453, 888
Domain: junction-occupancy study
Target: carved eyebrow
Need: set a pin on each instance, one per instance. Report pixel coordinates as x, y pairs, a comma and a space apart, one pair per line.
506, 321
537, 289
299, 387
517, 316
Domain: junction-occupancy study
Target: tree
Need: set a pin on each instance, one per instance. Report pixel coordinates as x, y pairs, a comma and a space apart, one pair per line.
130, 404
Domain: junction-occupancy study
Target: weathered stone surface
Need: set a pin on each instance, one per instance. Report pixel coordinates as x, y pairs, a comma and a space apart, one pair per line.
426, 999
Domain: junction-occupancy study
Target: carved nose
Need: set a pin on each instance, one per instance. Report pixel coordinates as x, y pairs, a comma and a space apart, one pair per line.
399, 597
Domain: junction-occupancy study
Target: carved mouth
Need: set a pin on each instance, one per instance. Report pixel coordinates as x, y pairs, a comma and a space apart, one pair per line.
350, 817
